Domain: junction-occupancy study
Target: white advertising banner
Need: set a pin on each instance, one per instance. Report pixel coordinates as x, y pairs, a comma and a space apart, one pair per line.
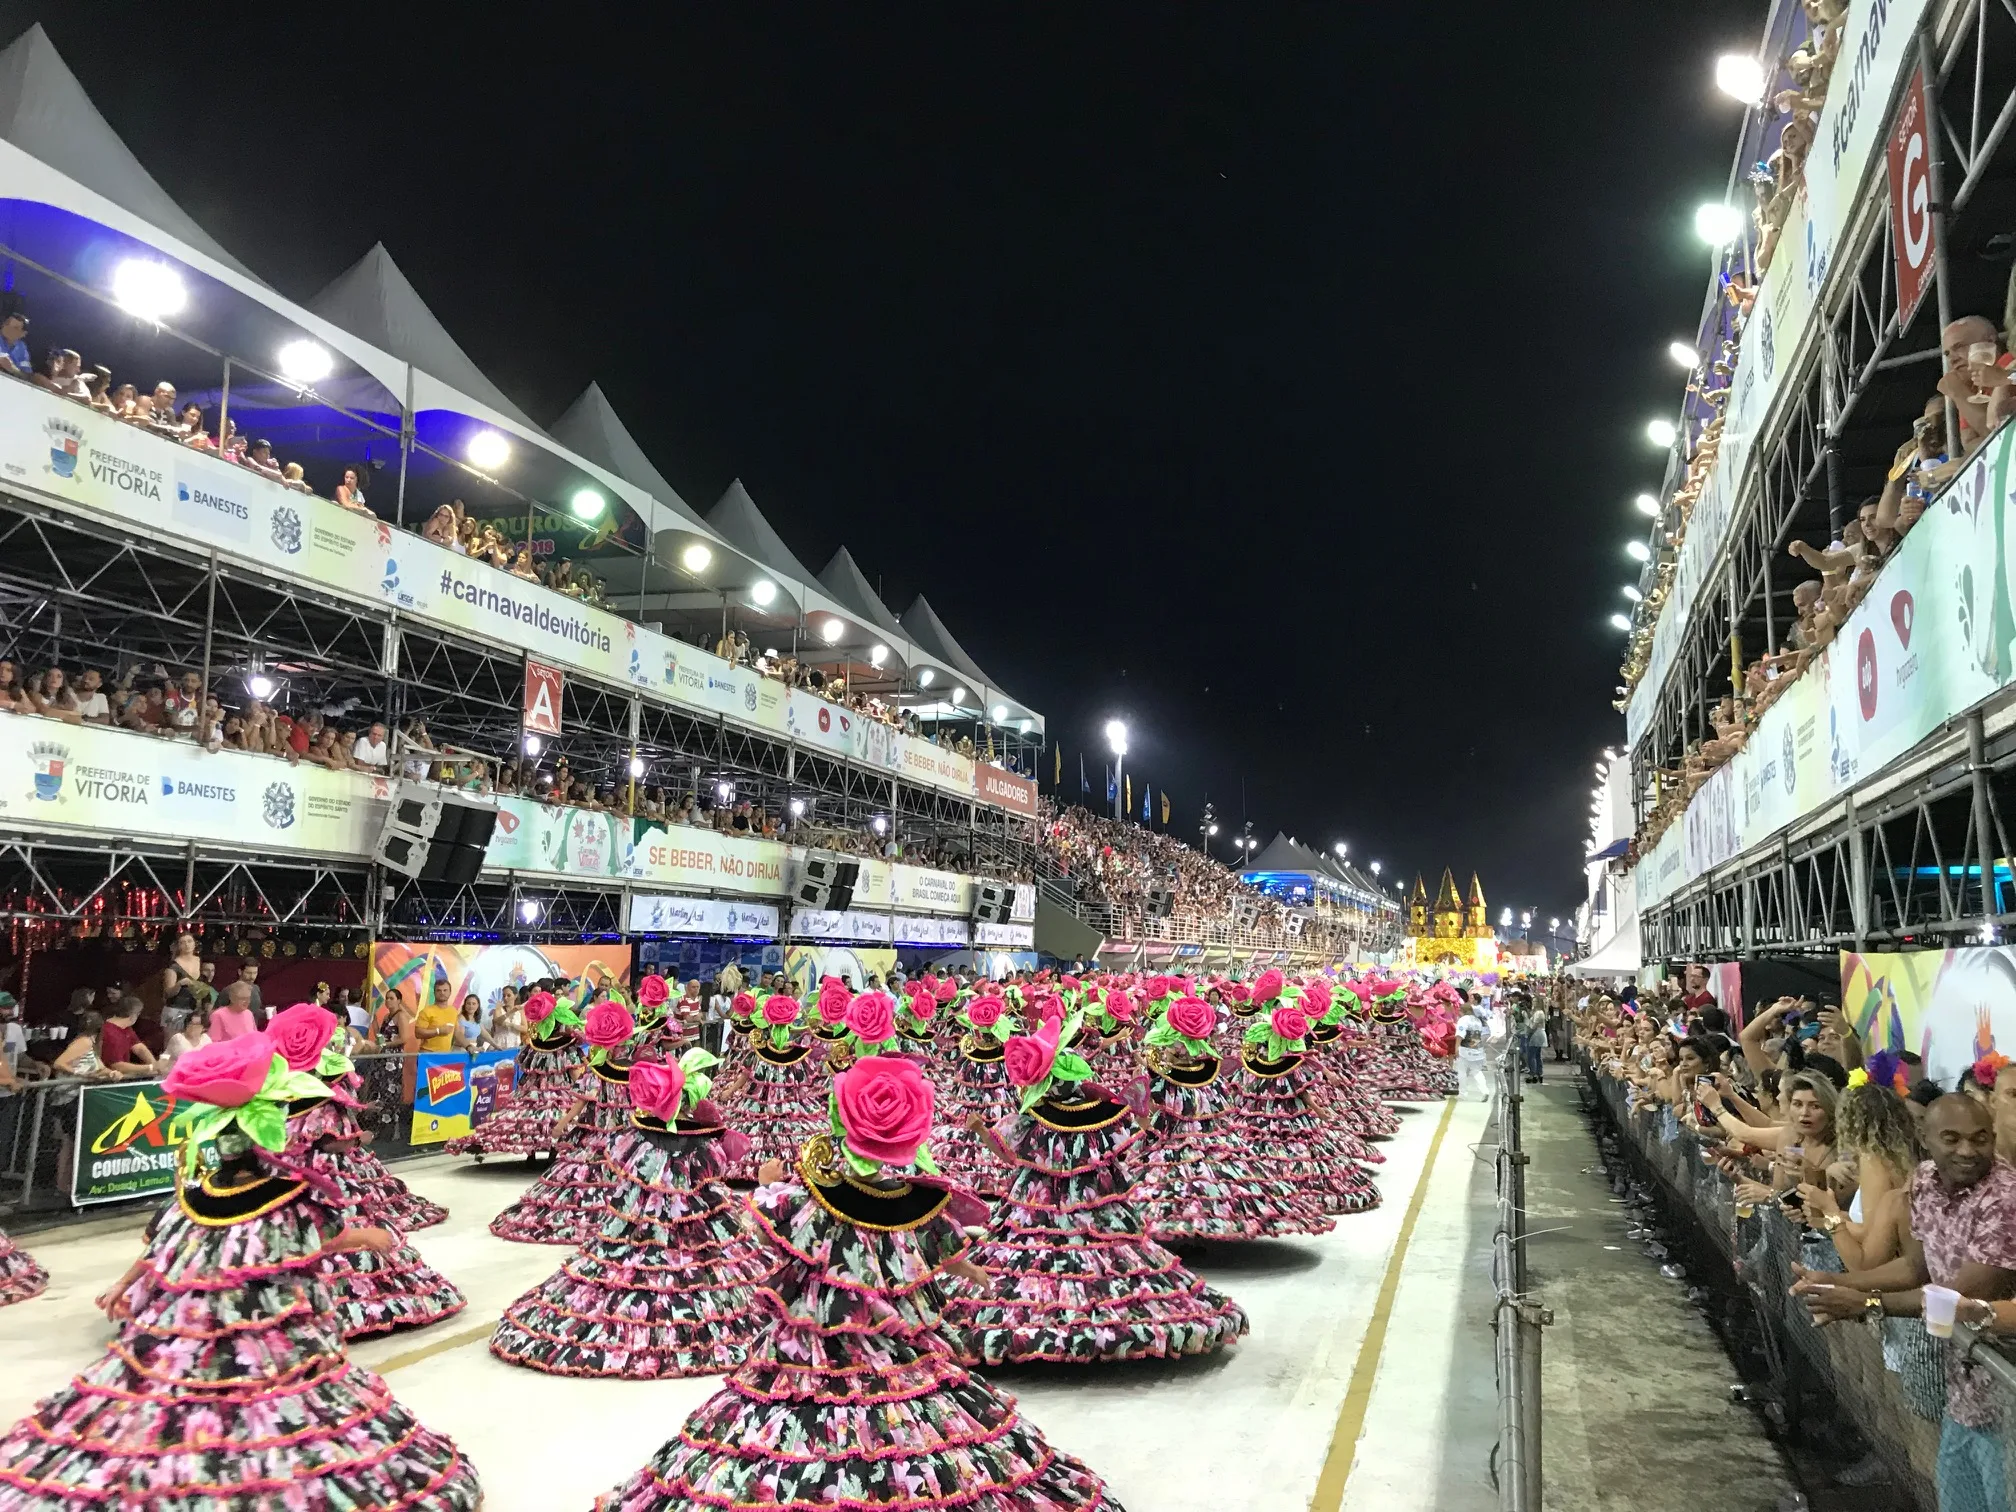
1878, 47
657, 914
685, 857
1007, 936
926, 931
920, 891
121, 783
76, 456
1023, 910
850, 924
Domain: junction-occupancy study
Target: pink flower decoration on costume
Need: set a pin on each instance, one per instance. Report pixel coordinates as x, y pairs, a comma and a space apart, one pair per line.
1267, 986
224, 1073
1027, 1058
607, 1025
1193, 1018
834, 999
872, 1017
300, 1034
657, 1088
985, 1012
539, 1007
1289, 1022
652, 991
885, 1108
781, 1010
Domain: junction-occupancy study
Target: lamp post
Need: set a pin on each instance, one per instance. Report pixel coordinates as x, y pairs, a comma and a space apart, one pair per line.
1116, 740
1206, 828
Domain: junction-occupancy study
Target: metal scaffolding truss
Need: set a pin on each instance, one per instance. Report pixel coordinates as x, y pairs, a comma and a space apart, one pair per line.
512, 906
70, 880
1902, 871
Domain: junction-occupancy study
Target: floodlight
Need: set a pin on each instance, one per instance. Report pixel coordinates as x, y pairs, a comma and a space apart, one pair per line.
587, 504
1718, 224
532, 744
797, 808
763, 593
305, 362
696, 557
958, 695
926, 677
1684, 355
636, 766
877, 654
1741, 77
1638, 551
830, 630
488, 450
528, 910
879, 825
149, 290
1621, 621
1631, 592
1661, 432
999, 713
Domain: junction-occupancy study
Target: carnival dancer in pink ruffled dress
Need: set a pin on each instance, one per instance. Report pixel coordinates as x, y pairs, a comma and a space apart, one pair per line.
1200, 1179
663, 1287
564, 1206
545, 1082
849, 1398
1341, 1041
775, 1101
226, 1388
918, 1031
979, 1089
1402, 1067
1071, 1271
1282, 1112
1348, 1120
373, 1291
20, 1276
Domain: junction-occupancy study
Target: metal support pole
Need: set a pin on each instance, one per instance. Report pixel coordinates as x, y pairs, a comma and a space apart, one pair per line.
1858, 875
224, 410
209, 634
1984, 832
405, 450
1935, 181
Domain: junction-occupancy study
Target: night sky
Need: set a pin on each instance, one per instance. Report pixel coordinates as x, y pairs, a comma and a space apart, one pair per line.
1272, 377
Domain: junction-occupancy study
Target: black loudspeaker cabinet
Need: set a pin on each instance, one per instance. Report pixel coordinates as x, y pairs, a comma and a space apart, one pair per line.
993, 902
436, 835
827, 881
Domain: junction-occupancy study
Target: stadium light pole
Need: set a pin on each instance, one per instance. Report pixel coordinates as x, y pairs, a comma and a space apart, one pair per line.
1206, 828
1116, 740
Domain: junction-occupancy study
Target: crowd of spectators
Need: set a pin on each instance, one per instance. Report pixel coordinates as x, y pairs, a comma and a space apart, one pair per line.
1910, 1183
1777, 183
1124, 870
1980, 393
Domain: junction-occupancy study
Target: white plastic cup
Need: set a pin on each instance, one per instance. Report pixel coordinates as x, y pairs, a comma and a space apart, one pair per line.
1941, 1303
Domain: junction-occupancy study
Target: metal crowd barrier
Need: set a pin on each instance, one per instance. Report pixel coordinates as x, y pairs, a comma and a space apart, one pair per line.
38, 1131
1890, 1384
1516, 1318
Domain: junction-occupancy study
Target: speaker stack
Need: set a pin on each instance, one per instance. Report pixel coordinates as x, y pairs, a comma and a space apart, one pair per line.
826, 881
434, 834
993, 902
1161, 903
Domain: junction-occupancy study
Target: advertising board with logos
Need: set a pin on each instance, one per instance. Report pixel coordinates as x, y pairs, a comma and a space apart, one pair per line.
842, 924
659, 914
76, 457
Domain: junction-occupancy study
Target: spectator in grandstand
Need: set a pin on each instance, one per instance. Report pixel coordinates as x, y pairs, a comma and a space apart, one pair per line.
434, 1025
14, 356
1962, 1237
506, 1029
1976, 372
80, 1057
120, 1049
237, 1017
193, 1035
442, 528
248, 978
91, 704
469, 1027
369, 753
64, 374
350, 492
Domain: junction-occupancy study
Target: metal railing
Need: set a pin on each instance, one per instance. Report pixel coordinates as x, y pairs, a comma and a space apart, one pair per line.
38, 1130
1516, 1318
1888, 1383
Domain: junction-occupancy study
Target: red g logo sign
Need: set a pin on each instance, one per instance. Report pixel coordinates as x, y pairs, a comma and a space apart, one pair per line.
1911, 226
1901, 610
1865, 673
825, 720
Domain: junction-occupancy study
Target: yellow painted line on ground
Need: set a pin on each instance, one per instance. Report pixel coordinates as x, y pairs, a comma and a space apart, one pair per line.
438, 1346
1337, 1464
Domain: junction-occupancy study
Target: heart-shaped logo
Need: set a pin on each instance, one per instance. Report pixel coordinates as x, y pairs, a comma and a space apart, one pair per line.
1902, 611
1865, 673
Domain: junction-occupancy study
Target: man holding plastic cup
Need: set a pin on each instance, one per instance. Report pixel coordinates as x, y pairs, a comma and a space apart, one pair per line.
1962, 1240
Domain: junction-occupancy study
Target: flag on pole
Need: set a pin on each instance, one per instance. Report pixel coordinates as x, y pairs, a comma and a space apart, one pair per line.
1147, 793
1084, 782
1112, 785
1165, 806
1127, 801
1058, 780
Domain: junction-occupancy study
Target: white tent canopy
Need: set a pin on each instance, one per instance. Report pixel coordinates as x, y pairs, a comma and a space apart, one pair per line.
593, 428
737, 520
1617, 956
46, 113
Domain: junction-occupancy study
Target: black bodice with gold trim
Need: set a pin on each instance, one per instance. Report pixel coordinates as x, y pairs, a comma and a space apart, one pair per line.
1252, 1059
611, 1071
984, 1049
1322, 1034
1078, 1116
790, 1055
1200, 1072
216, 1201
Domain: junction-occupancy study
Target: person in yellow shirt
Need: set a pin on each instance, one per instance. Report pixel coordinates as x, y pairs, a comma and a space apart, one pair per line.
434, 1030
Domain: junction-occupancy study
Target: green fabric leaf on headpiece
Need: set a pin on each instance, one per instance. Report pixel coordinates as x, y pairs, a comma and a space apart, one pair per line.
1257, 1032
1162, 1034
857, 1164
1033, 1095
264, 1123
924, 1161
695, 1064
200, 1130
1071, 1066
285, 1086
1004, 1029
334, 1063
